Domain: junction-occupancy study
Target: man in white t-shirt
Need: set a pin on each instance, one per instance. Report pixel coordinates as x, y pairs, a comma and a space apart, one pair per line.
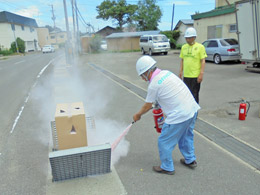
180, 109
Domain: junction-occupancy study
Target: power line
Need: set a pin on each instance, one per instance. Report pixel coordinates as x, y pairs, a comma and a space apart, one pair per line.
83, 20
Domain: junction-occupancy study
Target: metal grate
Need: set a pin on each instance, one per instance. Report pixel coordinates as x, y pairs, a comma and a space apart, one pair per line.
90, 121
80, 162
54, 136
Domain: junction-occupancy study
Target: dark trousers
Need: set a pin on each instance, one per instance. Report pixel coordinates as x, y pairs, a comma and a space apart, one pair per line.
194, 87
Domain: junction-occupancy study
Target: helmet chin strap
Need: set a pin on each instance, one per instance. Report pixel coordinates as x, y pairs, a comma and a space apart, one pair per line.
146, 77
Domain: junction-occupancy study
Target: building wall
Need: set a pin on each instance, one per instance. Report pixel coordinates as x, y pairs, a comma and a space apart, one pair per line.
181, 40
61, 38
29, 35
6, 36
43, 36
85, 44
201, 26
220, 3
123, 44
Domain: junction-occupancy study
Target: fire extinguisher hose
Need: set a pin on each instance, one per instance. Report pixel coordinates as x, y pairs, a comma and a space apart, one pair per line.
248, 107
116, 142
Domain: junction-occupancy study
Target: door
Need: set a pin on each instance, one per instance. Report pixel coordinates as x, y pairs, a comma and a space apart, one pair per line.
211, 49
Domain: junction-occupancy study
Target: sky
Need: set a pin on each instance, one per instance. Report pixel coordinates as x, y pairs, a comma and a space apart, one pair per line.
40, 10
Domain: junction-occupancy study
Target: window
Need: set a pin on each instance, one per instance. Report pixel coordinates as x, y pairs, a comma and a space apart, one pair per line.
13, 27
22, 27
61, 36
206, 43
215, 31
150, 38
144, 39
31, 29
213, 44
228, 42
233, 28
158, 39
53, 37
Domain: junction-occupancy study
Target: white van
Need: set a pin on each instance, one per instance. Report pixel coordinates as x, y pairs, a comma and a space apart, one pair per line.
154, 44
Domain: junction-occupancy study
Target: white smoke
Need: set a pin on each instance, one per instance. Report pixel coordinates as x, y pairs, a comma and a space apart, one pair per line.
65, 85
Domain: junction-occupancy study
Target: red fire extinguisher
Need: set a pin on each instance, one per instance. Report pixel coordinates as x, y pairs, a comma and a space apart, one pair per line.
158, 117
243, 110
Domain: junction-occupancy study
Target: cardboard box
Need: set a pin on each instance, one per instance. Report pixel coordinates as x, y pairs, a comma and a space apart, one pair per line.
71, 125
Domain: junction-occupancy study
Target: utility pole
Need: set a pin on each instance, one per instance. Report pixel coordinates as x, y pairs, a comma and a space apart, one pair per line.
172, 15
74, 28
68, 49
73, 16
54, 25
15, 40
77, 23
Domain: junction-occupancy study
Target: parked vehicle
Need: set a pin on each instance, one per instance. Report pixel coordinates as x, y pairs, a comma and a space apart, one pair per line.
154, 44
219, 50
247, 15
48, 49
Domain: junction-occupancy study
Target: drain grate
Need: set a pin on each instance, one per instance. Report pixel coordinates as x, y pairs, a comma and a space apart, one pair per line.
80, 162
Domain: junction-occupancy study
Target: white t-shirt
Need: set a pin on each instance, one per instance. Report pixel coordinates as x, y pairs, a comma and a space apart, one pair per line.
173, 96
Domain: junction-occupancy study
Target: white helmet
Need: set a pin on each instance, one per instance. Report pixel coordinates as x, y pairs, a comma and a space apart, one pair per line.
190, 32
143, 64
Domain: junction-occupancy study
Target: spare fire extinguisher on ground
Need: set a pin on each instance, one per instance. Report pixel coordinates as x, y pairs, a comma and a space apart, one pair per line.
158, 117
243, 110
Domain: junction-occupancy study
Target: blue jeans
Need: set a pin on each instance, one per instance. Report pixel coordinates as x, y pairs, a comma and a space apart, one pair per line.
181, 133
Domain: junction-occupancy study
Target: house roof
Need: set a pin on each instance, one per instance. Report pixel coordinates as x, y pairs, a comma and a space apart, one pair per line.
185, 22
8, 17
216, 12
132, 34
105, 28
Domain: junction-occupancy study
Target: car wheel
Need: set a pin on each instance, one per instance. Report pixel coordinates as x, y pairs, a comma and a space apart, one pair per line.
256, 65
150, 52
165, 53
217, 59
143, 52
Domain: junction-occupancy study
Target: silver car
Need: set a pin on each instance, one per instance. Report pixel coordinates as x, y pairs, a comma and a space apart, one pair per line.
219, 50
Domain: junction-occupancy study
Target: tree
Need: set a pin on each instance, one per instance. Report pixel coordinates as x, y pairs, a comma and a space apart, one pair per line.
173, 36
119, 11
95, 43
148, 15
20, 44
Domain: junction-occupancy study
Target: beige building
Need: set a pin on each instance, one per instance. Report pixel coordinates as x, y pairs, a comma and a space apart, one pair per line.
221, 3
58, 38
85, 43
218, 23
43, 36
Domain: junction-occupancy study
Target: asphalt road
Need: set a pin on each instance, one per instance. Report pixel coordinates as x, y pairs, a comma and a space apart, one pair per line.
27, 86
21, 159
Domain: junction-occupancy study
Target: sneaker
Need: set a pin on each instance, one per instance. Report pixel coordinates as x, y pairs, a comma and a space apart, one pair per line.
158, 169
191, 165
